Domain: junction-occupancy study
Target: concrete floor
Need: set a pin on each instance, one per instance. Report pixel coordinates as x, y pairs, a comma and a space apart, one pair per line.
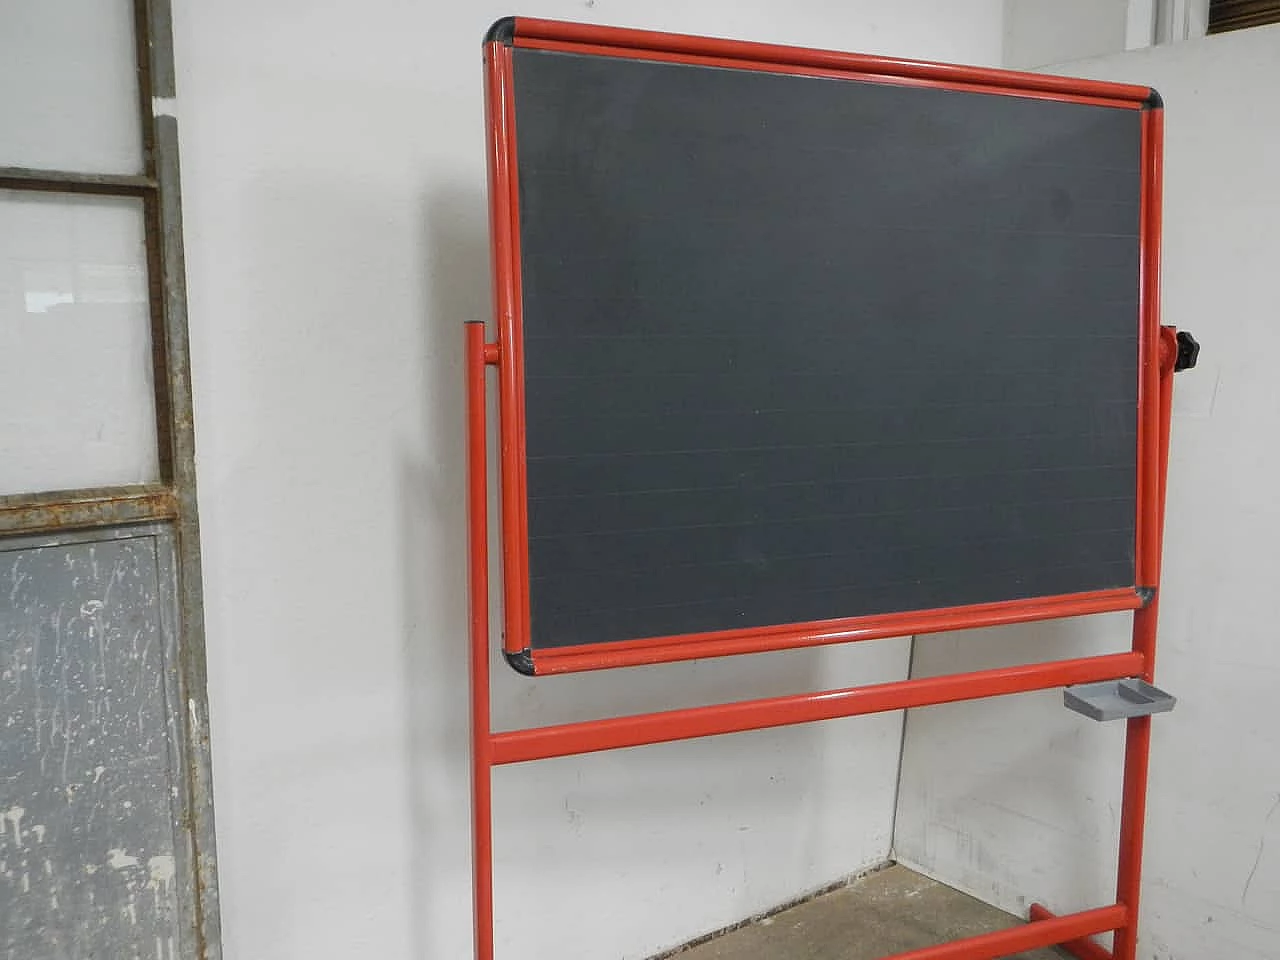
883, 913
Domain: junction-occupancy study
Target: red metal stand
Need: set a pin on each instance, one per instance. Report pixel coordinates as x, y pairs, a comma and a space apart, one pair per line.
1157, 347
494, 749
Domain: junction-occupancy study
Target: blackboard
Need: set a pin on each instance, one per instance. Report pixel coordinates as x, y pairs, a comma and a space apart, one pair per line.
799, 348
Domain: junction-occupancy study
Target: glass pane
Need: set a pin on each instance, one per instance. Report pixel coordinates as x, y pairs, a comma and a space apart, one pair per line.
69, 86
77, 406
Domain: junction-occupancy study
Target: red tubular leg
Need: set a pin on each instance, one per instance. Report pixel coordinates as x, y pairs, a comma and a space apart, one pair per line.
1083, 948
478, 584
1137, 750
1133, 805
1137, 746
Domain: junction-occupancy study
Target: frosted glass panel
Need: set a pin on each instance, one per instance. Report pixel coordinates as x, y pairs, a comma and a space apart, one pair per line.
69, 86
76, 397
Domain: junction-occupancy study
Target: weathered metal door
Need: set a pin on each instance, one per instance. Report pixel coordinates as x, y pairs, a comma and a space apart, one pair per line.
91, 809
106, 829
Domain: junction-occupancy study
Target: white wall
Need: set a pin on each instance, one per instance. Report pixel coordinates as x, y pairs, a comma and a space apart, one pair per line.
1037, 32
335, 226
1018, 797
1042, 32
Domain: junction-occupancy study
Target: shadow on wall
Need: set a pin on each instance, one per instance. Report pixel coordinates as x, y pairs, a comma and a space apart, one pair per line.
433, 551
707, 797
975, 782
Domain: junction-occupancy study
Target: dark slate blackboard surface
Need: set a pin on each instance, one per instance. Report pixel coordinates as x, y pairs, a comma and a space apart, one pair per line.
801, 348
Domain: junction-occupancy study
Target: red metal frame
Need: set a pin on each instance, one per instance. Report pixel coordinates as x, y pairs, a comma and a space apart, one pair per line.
677, 48
695, 646
1083, 948
519, 746
508, 351
805, 70
478, 592
1137, 748
1157, 351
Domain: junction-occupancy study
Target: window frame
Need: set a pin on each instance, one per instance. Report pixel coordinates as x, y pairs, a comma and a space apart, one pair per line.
171, 501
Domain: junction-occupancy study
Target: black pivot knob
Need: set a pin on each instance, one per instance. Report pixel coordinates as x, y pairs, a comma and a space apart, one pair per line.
1188, 352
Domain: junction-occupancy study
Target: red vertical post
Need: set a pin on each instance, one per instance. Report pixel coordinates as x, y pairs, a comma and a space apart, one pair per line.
478, 591
1137, 749
1133, 809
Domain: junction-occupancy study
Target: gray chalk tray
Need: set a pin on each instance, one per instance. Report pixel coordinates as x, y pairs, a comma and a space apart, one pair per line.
1117, 699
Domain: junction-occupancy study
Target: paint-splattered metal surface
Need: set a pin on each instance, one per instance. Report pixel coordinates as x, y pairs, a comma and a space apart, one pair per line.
89, 802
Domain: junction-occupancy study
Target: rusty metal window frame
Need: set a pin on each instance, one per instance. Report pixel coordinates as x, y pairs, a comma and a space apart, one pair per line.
158, 188
172, 501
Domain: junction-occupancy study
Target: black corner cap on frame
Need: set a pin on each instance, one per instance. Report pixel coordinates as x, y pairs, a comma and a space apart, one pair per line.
502, 31
1146, 595
521, 662
1153, 102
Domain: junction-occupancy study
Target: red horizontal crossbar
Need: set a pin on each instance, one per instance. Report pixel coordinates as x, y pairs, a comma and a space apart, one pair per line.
805, 70
531, 28
518, 746
1083, 947
697, 646
1030, 936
